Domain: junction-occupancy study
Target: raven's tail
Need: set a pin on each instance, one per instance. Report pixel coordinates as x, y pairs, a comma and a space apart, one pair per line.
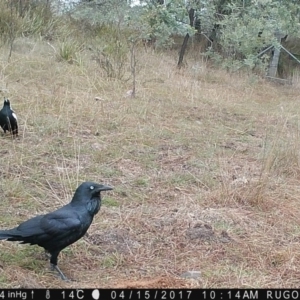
10, 235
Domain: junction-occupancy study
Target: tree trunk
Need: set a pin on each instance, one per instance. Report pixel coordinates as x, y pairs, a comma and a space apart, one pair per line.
182, 50
186, 38
272, 72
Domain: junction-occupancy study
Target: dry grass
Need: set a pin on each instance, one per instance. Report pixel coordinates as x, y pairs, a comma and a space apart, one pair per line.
205, 167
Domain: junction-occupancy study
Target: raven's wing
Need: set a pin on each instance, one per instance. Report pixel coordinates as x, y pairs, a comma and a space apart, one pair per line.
53, 231
63, 221
62, 228
53, 223
57, 229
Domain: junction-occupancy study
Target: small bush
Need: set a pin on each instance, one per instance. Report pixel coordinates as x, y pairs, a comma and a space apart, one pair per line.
69, 50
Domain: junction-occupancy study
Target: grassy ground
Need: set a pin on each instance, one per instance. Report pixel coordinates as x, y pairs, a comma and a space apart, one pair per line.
205, 167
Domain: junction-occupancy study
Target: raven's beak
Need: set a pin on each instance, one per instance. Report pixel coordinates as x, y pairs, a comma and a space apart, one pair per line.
101, 188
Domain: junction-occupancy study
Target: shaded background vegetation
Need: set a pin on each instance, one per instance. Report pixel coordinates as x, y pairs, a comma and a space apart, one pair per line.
231, 34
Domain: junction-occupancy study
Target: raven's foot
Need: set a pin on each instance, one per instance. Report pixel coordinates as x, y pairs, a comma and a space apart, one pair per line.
61, 274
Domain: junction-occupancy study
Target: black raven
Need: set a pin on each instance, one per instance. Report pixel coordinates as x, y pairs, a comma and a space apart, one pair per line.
8, 118
56, 230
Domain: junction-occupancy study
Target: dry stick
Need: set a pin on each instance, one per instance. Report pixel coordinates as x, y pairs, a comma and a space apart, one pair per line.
133, 67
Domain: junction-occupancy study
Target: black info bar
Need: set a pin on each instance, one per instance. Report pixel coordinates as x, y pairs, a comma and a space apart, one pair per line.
149, 294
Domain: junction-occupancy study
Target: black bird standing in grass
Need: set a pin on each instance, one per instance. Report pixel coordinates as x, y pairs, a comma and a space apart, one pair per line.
8, 118
56, 230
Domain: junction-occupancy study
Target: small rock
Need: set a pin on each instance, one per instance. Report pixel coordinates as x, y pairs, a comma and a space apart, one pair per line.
239, 181
200, 231
224, 237
129, 94
191, 275
98, 99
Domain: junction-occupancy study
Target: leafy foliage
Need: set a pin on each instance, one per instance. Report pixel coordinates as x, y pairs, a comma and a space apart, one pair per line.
30, 19
150, 21
248, 29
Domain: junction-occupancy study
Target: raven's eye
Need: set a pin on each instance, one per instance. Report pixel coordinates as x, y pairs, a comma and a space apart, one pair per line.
91, 187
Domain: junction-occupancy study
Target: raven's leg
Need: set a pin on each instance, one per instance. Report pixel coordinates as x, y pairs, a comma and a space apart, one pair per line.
62, 275
53, 265
9, 125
